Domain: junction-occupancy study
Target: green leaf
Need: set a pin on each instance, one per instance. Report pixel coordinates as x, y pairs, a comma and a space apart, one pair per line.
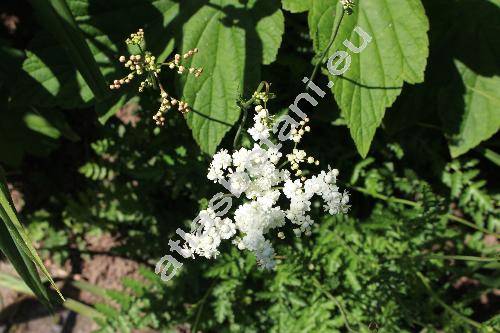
490, 155
481, 113
233, 41
396, 54
109, 107
270, 29
296, 6
39, 124
16, 140
58, 20
17, 247
52, 80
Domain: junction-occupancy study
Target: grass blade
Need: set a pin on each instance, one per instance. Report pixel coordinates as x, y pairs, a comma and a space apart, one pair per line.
17, 247
13, 283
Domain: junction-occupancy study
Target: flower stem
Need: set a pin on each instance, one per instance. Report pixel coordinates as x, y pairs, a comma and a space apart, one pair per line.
244, 106
335, 31
386, 198
333, 298
448, 308
200, 305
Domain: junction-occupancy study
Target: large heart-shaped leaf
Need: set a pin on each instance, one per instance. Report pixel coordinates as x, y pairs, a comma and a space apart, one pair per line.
397, 53
470, 100
480, 118
234, 40
296, 6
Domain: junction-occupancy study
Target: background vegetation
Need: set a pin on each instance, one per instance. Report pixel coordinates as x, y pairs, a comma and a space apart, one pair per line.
411, 127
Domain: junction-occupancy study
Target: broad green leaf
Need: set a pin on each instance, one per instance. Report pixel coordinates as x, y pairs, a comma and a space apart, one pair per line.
52, 80
296, 6
481, 117
397, 53
270, 29
233, 42
51, 123
17, 247
39, 124
59, 21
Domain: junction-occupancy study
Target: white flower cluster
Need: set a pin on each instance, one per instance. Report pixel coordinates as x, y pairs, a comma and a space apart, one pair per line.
212, 229
260, 130
255, 174
145, 65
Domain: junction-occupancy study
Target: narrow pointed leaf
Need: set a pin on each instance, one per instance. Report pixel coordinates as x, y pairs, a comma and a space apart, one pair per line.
17, 247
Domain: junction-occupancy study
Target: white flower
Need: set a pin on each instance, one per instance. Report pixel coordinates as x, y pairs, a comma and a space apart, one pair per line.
273, 155
241, 159
221, 161
268, 199
210, 229
227, 229
239, 183
255, 174
265, 255
292, 188
260, 129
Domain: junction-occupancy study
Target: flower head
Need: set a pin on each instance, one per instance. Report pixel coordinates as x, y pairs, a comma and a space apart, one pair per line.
145, 65
257, 174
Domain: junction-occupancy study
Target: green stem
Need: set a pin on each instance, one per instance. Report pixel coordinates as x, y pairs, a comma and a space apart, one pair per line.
416, 204
445, 257
464, 258
245, 106
335, 31
470, 224
333, 298
201, 304
448, 308
386, 198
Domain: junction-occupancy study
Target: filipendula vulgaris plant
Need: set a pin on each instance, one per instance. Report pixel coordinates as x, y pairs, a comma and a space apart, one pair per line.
145, 66
262, 176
